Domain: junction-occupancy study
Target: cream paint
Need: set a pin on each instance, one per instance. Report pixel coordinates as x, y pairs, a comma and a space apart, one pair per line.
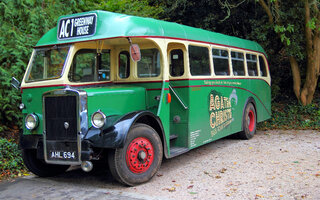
118, 45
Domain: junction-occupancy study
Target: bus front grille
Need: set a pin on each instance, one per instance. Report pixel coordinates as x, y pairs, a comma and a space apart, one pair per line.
61, 118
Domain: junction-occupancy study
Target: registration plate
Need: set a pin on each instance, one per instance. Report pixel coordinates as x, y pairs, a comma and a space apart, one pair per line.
62, 151
62, 154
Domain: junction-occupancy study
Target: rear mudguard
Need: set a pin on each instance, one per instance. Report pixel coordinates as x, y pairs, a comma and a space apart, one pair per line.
114, 136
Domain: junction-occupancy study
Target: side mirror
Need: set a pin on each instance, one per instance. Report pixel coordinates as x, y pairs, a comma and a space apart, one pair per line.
135, 52
15, 83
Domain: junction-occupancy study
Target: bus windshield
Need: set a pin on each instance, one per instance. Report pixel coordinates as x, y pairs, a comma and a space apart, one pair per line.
47, 64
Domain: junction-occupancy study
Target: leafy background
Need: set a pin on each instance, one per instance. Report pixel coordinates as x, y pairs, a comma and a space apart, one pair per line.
23, 22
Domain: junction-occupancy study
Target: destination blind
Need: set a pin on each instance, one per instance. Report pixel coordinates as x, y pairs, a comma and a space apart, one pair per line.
75, 27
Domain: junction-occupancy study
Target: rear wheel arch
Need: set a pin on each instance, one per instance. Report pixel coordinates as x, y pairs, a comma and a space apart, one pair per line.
253, 102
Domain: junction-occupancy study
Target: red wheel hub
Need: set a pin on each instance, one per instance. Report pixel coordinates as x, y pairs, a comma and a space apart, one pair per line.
251, 120
139, 155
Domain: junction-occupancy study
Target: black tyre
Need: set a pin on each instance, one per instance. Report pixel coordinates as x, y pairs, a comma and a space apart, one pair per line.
249, 123
140, 158
39, 167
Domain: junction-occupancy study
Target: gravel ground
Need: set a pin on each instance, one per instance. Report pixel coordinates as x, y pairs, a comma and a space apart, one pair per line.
273, 165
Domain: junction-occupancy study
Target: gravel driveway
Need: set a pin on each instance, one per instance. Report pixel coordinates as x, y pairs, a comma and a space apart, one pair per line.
273, 165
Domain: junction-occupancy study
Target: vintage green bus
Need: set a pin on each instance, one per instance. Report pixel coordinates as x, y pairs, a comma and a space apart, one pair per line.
128, 90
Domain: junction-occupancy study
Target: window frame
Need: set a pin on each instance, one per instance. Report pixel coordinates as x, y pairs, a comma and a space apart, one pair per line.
229, 60
208, 47
136, 75
118, 66
244, 62
183, 59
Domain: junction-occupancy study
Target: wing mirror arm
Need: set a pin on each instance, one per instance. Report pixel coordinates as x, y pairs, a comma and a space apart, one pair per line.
15, 83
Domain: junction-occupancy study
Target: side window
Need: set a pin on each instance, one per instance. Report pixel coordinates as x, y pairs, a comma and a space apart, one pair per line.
124, 64
263, 67
237, 59
252, 64
103, 66
220, 62
199, 61
87, 65
149, 65
176, 62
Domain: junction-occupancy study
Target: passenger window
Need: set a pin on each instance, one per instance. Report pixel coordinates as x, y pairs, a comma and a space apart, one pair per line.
263, 67
220, 62
199, 61
149, 65
124, 64
252, 64
176, 62
237, 59
87, 65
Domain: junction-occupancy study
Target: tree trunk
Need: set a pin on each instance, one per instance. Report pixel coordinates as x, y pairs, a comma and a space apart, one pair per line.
313, 61
296, 76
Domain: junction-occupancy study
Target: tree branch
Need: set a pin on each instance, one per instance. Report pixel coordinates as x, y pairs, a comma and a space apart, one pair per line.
267, 10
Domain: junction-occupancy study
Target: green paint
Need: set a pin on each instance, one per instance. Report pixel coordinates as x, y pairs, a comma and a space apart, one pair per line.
110, 25
194, 129
115, 100
32, 99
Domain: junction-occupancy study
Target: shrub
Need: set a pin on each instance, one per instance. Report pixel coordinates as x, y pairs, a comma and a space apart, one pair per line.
11, 162
292, 115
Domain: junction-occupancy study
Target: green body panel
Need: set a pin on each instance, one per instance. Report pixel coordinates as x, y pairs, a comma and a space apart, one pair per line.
195, 129
32, 99
115, 100
111, 25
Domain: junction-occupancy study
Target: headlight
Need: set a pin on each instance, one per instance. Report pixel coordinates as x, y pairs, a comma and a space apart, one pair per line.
31, 121
98, 119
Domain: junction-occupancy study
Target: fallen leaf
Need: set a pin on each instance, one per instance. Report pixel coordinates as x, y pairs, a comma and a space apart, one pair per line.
159, 175
190, 186
173, 189
223, 170
259, 195
218, 177
193, 192
317, 175
250, 147
177, 185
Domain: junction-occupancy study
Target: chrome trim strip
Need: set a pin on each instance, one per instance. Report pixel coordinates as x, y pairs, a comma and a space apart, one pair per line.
82, 120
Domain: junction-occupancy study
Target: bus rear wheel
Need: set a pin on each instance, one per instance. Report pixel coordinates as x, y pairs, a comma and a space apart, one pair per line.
39, 167
249, 122
140, 158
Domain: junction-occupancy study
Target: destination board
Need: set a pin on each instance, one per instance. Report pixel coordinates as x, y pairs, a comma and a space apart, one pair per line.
76, 27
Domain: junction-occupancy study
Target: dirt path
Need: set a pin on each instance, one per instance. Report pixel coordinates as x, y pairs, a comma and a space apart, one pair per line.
272, 165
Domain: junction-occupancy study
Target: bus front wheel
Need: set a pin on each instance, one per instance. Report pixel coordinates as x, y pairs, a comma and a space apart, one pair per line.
249, 122
39, 167
140, 158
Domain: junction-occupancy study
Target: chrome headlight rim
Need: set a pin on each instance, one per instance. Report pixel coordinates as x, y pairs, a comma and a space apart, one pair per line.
103, 116
36, 121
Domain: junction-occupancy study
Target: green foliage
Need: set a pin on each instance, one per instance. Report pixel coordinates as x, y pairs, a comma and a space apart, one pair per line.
22, 23
11, 162
290, 115
131, 7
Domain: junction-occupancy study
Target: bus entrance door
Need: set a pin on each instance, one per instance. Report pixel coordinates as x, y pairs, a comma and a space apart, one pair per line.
179, 104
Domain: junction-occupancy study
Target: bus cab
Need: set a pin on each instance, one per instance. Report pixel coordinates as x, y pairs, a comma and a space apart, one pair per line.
132, 90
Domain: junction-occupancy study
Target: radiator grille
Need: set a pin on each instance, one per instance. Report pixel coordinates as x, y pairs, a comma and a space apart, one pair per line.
58, 111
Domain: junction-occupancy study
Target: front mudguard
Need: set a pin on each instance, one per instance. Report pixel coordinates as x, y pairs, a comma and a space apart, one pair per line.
114, 136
